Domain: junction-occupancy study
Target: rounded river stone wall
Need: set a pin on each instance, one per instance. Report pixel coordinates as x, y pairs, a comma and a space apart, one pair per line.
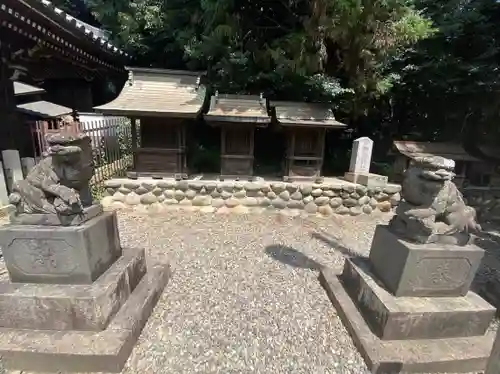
338, 197
486, 201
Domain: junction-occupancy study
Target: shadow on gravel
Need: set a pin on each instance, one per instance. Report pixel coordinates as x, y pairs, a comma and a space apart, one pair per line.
291, 257
335, 244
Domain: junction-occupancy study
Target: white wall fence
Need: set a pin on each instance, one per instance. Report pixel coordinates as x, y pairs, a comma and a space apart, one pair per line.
111, 145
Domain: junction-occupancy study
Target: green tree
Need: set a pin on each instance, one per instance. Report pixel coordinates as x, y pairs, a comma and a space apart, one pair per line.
450, 82
292, 49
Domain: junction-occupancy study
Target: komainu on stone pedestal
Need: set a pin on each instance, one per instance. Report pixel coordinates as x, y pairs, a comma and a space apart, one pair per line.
75, 301
59, 183
433, 210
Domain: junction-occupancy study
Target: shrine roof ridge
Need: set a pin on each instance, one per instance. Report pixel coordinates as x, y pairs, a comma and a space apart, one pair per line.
299, 113
134, 69
99, 37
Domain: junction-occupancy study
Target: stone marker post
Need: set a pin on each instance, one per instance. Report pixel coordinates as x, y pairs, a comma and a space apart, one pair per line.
359, 167
76, 301
4, 200
361, 156
12, 166
27, 163
408, 306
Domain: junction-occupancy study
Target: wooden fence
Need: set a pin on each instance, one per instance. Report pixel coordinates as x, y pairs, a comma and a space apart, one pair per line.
111, 147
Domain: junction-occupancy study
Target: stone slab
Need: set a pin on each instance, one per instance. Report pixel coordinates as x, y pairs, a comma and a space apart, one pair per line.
57, 219
86, 351
369, 180
61, 254
72, 307
396, 318
426, 270
493, 366
453, 355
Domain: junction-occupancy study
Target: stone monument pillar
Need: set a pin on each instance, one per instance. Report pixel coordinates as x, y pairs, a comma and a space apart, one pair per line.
359, 167
76, 300
408, 306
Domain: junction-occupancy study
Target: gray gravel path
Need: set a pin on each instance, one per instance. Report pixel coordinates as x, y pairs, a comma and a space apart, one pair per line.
245, 297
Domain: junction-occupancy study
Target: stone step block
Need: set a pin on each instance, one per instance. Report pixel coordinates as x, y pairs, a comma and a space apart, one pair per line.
427, 270
61, 254
404, 318
86, 351
451, 355
72, 307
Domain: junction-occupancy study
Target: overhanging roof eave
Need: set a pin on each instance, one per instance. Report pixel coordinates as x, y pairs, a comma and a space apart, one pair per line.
135, 113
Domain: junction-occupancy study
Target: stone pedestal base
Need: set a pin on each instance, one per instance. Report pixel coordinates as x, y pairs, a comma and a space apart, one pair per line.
61, 254
453, 355
367, 179
72, 307
409, 269
403, 318
80, 328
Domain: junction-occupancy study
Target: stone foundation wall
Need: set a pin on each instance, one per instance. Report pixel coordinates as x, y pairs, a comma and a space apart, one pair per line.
336, 197
486, 201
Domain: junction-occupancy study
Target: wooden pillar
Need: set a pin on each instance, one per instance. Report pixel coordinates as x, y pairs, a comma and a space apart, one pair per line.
321, 152
133, 131
9, 122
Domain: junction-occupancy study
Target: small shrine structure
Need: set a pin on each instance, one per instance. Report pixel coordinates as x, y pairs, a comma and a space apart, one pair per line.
164, 103
305, 126
237, 116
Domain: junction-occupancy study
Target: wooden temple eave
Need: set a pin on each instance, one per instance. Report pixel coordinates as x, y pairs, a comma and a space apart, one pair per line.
158, 93
300, 114
19, 17
237, 109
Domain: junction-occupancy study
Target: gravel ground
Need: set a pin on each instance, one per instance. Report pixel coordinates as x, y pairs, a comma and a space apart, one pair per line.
245, 296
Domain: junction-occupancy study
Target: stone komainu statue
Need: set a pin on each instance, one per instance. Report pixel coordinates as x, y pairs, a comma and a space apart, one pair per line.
433, 210
59, 183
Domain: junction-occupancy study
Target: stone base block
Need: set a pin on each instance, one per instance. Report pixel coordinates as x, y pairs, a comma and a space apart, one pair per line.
397, 318
86, 351
426, 270
61, 254
367, 179
56, 219
72, 307
452, 355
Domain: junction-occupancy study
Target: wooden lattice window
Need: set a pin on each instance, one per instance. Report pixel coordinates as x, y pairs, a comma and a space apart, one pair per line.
158, 133
306, 143
238, 141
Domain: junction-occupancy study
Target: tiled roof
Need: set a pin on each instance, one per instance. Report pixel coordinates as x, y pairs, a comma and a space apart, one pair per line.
44, 109
238, 108
26, 89
158, 92
98, 36
452, 151
305, 114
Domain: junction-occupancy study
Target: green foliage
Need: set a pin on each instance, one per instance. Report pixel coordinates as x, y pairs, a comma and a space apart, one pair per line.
448, 89
329, 50
416, 69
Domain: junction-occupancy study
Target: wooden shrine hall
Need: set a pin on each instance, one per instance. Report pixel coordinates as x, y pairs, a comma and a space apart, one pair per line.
237, 116
305, 126
43, 46
164, 103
